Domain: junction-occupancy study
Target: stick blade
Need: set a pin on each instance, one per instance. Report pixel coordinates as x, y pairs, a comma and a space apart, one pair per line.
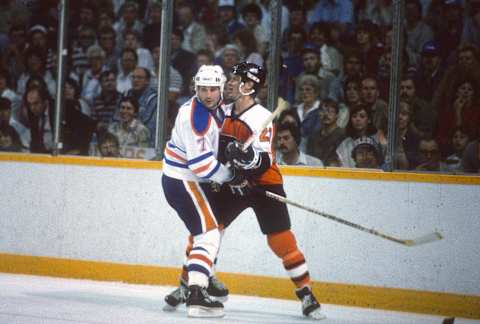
432, 237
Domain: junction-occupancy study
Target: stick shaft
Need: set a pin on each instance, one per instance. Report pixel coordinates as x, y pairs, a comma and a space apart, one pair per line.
426, 239
281, 107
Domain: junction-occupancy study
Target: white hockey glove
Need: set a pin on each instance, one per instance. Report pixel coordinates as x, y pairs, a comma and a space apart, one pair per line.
239, 184
242, 159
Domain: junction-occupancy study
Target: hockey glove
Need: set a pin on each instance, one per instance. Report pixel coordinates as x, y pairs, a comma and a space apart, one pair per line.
242, 159
239, 184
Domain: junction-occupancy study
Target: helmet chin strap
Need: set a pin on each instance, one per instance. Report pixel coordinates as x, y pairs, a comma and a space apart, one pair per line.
245, 93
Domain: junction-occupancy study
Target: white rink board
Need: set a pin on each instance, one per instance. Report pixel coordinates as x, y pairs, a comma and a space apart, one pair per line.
120, 215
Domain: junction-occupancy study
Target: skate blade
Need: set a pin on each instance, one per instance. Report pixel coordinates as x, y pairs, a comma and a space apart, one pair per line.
316, 315
199, 311
221, 299
169, 308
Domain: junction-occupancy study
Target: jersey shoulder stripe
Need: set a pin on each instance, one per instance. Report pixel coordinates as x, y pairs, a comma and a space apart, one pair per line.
200, 118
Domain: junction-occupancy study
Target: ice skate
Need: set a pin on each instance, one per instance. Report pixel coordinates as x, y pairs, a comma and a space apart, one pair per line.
176, 297
199, 303
217, 290
310, 305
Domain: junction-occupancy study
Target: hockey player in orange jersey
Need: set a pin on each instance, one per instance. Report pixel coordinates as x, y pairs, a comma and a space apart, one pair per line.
257, 165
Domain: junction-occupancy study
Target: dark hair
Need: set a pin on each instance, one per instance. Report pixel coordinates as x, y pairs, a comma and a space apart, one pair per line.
293, 129
178, 32
105, 74
74, 85
461, 129
129, 50
371, 129
107, 30
289, 112
356, 80
35, 51
12, 133
330, 103
206, 52
40, 80
252, 8
247, 39
353, 53
308, 50
323, 27
132, 100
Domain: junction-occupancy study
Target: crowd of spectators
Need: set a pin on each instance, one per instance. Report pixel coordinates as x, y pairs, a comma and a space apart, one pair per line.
335, 54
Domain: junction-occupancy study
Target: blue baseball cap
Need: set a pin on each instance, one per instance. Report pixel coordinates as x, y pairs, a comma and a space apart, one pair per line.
430, 48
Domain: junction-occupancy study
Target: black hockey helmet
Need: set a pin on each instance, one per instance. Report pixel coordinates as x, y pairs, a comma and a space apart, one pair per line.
250, 72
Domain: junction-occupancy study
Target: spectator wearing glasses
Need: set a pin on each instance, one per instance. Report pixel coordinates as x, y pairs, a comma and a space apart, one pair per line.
129, 130
430, 156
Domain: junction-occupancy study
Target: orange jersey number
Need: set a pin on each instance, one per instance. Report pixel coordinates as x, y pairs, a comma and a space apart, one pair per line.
265, 135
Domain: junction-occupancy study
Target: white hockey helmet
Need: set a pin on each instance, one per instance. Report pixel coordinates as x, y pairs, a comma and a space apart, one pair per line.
210, 76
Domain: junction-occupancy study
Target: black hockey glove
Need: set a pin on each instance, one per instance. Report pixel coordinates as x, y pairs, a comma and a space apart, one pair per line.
242, 159
239, 184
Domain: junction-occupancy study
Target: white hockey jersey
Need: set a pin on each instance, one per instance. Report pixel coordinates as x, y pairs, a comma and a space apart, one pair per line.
191, 153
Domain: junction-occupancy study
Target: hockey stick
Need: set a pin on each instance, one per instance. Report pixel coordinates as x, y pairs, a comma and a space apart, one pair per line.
281, 107
435, 236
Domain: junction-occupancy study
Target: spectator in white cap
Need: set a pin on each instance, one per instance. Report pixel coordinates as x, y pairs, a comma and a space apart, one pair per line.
38, 37
366, 153
228, 15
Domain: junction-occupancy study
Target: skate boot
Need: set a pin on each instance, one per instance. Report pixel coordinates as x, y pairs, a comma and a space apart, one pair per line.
199, 303
217, 290
176, 297
310, 305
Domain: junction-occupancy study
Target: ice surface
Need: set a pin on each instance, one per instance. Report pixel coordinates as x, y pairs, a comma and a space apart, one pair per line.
44, 300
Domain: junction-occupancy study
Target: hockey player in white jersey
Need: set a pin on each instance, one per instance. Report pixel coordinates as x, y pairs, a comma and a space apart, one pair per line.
189, 165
